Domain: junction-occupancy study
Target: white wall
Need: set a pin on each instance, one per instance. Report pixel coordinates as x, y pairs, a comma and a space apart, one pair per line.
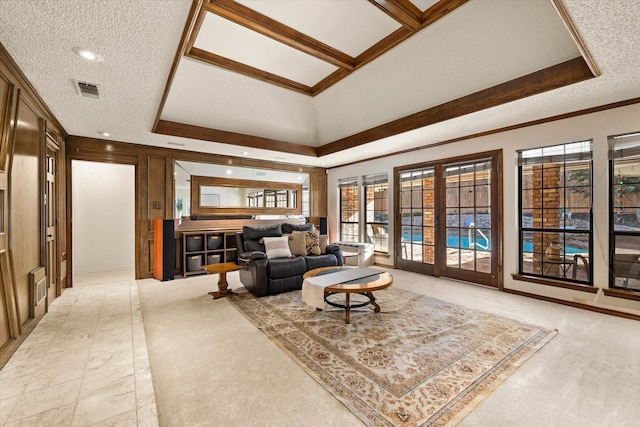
595, 126
103, 209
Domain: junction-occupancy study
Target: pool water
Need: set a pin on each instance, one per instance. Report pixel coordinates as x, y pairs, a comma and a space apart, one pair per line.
528, 247
452, 242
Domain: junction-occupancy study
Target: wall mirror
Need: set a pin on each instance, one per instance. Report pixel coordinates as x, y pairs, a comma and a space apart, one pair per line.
226, 196
206, 189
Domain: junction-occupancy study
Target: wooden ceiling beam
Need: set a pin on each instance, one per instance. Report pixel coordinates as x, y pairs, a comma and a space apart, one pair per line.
439, 10
402, 11
238, 67
554, 77
384, 45
430, 16
266, 26
563, 74
166, 127
329, 81
405, 12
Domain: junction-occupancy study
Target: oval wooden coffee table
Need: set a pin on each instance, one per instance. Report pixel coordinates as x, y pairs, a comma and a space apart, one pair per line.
365, 286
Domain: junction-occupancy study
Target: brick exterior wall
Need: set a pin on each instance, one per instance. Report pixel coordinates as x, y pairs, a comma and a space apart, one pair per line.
546, 209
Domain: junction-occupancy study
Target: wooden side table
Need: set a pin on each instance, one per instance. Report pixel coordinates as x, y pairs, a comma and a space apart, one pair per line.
221, 269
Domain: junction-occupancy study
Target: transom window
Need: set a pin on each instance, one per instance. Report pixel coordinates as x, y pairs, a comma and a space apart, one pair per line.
555, 225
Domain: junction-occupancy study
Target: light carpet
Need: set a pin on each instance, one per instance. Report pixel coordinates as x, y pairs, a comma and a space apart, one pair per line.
419, 362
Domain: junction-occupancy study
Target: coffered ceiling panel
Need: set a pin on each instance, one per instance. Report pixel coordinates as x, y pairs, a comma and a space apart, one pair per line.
349, 26
220, 98
424, 4
233, 41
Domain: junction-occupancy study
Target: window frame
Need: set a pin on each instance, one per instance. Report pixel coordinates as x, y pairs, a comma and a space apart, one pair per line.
625, 152
549, 155
378, 183
351, 185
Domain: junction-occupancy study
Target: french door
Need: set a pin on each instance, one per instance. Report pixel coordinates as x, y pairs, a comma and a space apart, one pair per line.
416, 218
448, 214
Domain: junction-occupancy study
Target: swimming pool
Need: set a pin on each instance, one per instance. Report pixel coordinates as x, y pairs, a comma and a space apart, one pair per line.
528, 247
452, 242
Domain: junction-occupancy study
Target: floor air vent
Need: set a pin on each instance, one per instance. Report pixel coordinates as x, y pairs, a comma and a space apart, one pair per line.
90, 90
38, 281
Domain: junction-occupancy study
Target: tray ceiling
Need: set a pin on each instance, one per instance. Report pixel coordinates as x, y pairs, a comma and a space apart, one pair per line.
358, 65
321, 82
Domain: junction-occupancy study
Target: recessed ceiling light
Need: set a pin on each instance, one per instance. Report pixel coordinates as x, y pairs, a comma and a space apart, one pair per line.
228, 171
103, 133
299, 178
245, 153
87, 54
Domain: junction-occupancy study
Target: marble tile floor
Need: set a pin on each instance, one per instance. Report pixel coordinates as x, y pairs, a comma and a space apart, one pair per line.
85, 363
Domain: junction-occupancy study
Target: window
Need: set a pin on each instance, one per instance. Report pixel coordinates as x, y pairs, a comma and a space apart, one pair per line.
624, 178
555, 212
349, 210
376, 193
282, 198
270, 198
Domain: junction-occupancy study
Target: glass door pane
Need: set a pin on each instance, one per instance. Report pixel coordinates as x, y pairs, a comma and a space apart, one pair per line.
417, 213
447, 213
468, 219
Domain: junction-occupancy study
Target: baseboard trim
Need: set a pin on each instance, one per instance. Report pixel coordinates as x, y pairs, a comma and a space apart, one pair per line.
575, 304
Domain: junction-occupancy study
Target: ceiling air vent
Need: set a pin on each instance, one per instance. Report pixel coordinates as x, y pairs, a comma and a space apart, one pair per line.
90, 90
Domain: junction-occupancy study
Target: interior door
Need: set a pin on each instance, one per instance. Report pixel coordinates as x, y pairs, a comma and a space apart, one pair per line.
51, 221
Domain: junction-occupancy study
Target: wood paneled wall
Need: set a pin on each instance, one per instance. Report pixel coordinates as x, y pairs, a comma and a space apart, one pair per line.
25, 122
26, 227
28, 131
155, 186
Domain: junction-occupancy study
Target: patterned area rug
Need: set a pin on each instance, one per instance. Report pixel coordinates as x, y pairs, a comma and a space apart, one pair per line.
419, 362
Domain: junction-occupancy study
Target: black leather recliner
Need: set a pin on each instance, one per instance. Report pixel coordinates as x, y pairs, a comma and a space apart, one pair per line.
263, 276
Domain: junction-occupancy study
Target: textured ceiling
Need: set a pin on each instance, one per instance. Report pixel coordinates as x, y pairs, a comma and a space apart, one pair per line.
482, 43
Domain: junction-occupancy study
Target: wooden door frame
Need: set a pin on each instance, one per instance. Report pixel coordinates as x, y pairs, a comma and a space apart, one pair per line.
53, 146
422, 268
497, 206
123, 160
493, 279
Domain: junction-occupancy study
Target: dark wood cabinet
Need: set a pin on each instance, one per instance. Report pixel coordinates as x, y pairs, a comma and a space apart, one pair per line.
206, 247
